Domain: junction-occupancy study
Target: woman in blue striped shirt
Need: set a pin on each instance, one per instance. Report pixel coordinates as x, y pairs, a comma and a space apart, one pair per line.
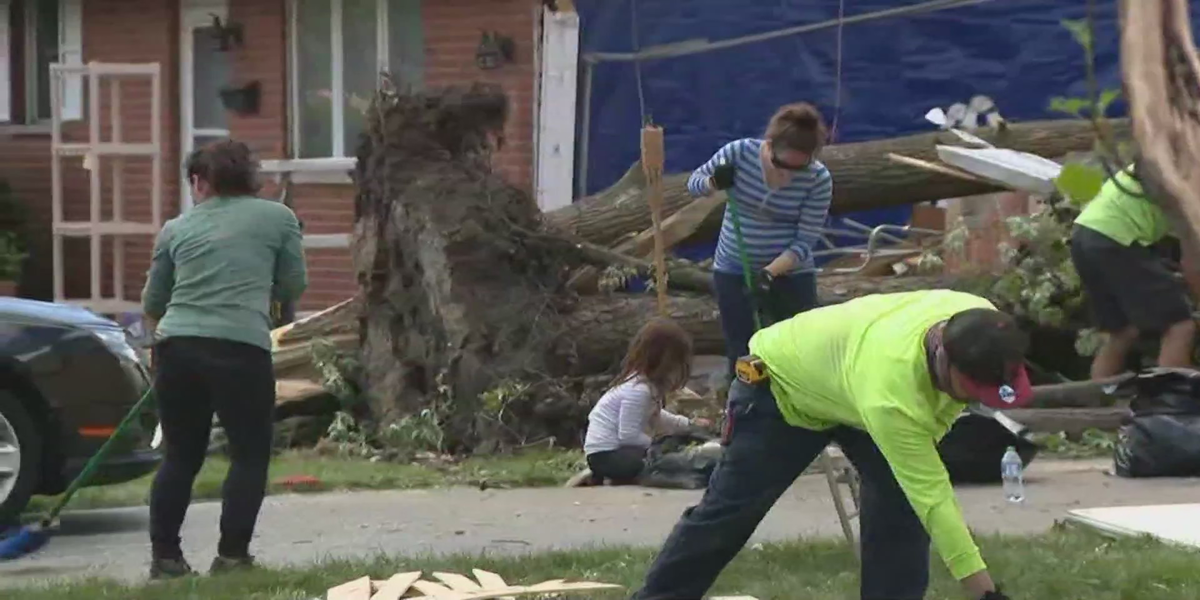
783, 194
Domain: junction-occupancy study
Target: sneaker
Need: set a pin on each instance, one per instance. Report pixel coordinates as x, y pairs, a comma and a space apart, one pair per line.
224, 564
169, 568
584, 478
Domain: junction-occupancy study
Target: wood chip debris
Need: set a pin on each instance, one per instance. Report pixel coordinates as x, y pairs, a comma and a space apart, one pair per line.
453, 586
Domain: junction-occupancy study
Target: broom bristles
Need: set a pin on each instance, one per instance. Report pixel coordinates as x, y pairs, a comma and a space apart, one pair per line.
24, 542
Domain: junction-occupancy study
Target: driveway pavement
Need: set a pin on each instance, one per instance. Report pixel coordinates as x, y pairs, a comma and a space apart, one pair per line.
298, 529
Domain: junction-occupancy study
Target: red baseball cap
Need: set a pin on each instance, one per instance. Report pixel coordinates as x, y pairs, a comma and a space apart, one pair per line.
987, 348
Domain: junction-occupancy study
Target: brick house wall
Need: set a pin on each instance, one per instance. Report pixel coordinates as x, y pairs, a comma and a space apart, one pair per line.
149, 31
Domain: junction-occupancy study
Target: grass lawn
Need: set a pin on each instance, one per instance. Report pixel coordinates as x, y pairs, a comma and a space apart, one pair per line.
1062, 564
527, 469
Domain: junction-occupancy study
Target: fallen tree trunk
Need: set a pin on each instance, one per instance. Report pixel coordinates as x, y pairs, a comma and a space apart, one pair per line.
601, 326
864, 178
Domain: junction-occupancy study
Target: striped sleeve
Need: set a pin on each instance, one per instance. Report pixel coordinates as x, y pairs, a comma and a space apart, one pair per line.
698, 183
813, 213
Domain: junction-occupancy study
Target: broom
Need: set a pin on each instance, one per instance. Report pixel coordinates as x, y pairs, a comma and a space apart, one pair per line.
27, 540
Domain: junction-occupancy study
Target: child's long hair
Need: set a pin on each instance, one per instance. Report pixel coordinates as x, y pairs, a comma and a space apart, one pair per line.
661, 352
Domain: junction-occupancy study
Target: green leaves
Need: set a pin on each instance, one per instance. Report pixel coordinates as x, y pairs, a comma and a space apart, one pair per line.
1081, 32
1079, 182
1107, 97
1069, 106
1079, 107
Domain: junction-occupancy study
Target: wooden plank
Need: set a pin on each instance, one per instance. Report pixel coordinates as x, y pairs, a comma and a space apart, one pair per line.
541, 588
359, 589
936, 168
458, 583
396, 586
436, 590
675, 228
489, 580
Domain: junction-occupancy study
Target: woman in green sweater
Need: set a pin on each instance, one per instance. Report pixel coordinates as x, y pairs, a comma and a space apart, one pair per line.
214, 273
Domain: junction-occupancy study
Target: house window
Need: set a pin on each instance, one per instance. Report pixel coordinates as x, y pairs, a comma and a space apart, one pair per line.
34, 35
338, 50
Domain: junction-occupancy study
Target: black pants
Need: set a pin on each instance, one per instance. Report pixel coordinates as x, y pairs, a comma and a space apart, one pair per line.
1127, 285
622, 465
790, 295
763, 458
197, 377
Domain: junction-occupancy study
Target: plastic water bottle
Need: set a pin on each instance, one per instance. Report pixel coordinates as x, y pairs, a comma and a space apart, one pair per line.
1011, 470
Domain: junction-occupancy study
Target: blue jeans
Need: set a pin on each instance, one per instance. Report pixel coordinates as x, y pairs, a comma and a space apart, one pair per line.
790, 295
763, 457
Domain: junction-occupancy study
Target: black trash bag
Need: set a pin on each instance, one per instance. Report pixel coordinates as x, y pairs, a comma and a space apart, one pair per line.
1161, 436
681, 461
976, 443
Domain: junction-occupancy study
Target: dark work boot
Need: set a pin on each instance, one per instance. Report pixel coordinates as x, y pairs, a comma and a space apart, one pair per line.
169, 568
224, 564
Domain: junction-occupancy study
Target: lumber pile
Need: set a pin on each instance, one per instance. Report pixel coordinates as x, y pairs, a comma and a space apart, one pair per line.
453, 586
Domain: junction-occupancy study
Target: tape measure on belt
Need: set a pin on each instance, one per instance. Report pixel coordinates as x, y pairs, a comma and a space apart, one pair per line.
751, 370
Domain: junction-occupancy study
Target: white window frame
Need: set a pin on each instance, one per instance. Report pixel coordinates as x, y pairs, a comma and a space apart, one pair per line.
339, 160
70, 52
6, 86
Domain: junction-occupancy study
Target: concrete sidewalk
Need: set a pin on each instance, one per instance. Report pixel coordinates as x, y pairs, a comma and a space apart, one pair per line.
299, 529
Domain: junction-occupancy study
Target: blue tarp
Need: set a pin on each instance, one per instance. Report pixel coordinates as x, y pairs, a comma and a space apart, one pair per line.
893, 70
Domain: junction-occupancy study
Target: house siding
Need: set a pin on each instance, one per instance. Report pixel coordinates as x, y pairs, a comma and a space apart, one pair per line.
148, 31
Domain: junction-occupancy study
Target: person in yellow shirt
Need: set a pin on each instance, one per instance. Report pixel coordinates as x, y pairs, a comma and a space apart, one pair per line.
1129, 288
884, 376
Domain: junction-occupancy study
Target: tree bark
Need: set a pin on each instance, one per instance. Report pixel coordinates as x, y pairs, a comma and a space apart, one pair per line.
1077, 394
1160, 68
1072, 421
864, 178
601, 326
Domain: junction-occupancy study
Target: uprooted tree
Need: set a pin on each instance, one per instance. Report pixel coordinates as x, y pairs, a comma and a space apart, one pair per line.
464, 300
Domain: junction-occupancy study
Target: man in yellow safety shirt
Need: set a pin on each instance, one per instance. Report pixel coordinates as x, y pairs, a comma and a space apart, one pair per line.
885, 376
1129, 287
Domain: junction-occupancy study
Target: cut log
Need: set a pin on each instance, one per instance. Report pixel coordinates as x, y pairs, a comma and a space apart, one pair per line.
1160, 67
1072, 421
294, 397
1077, 394
864, 178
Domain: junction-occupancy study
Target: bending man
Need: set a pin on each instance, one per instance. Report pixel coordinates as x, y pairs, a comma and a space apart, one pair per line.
1129, 287
884, 376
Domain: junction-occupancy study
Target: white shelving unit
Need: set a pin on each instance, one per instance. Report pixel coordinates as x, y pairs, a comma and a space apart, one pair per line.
97, 147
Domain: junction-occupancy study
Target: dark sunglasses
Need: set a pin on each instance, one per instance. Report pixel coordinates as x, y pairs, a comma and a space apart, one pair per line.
778, 164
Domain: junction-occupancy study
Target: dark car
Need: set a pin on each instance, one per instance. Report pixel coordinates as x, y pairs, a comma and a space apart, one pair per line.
67, 378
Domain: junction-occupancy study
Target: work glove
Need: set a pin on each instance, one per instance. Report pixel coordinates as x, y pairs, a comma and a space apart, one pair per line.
763, 280
722, 177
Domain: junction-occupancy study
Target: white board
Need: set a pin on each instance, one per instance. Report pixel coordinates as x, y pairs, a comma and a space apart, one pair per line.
554, 175
1018, 170
1177, 523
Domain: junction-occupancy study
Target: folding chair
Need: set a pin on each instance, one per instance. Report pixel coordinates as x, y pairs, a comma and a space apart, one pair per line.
839, 470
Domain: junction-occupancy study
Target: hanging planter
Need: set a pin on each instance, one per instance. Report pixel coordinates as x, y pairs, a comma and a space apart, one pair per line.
494, 50
243, 100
